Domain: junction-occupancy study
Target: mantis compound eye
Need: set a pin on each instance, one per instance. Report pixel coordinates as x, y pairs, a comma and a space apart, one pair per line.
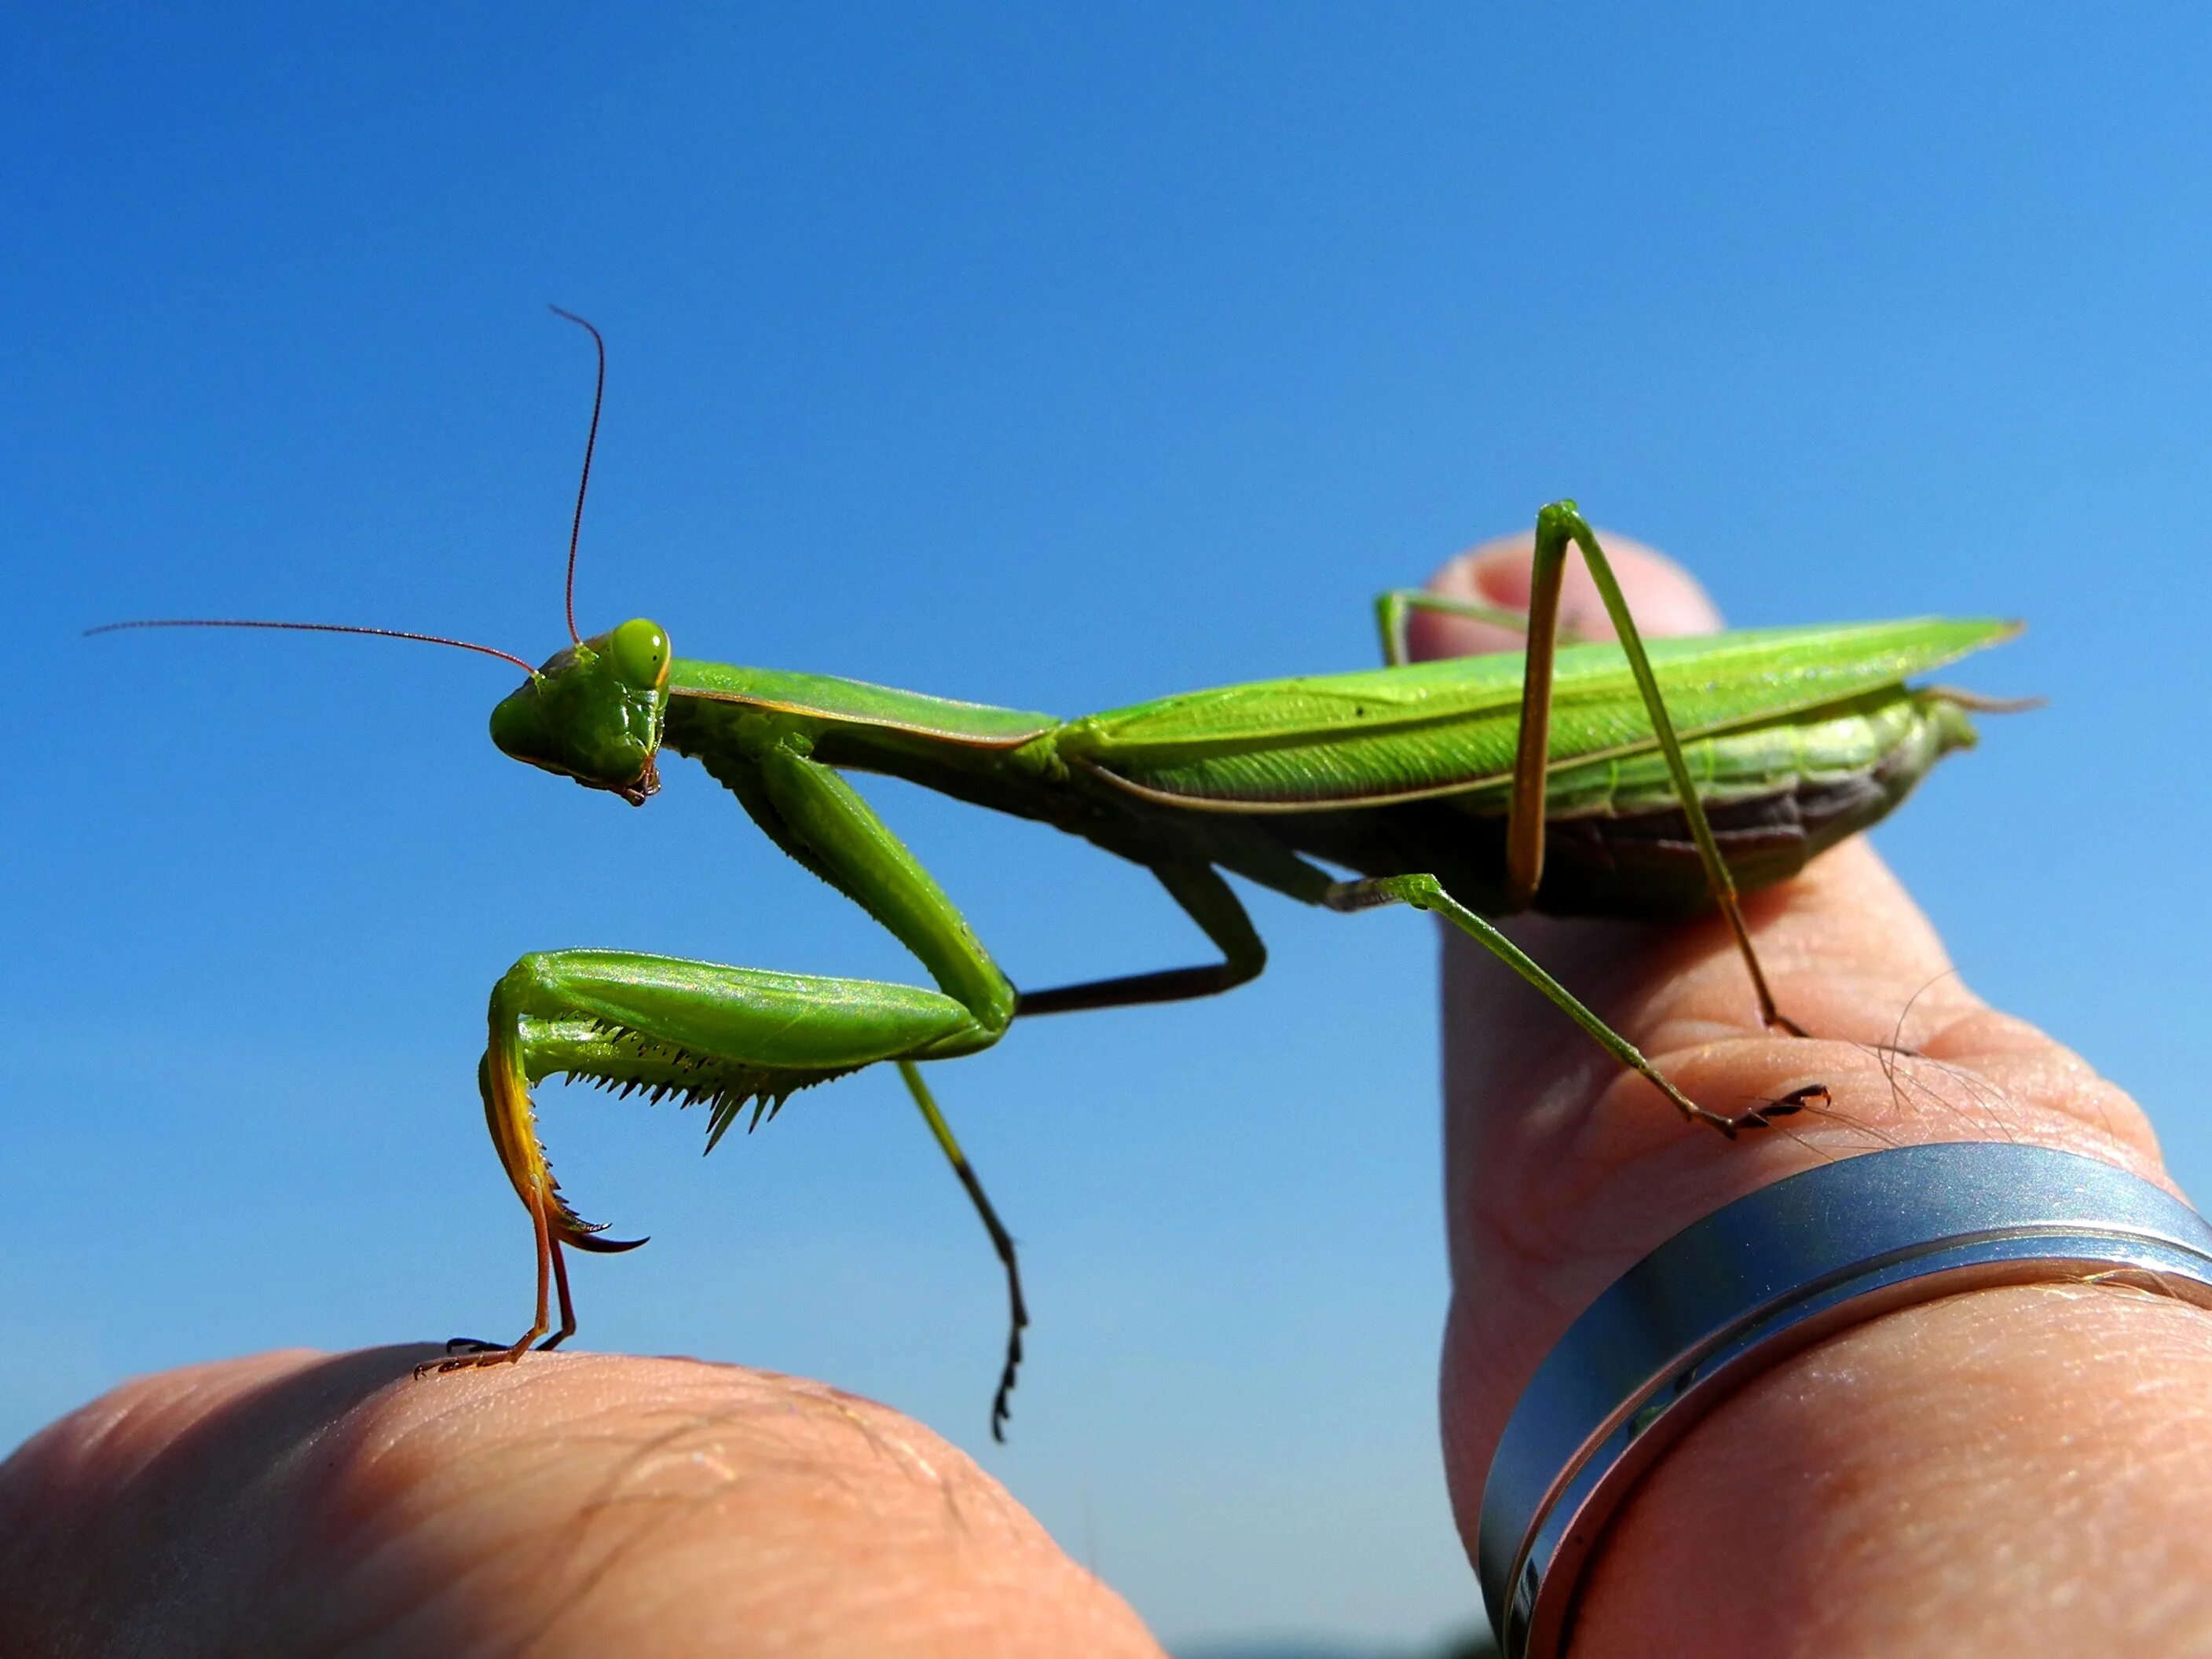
639, 650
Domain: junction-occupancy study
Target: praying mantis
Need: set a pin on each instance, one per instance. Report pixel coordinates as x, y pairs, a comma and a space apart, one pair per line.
1584, 778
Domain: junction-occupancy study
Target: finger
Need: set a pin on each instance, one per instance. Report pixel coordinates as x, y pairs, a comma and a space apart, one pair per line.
1666, 599
572, 1504
1562, 1169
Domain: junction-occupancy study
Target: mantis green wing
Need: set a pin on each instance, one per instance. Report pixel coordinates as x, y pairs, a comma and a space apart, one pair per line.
1450, 728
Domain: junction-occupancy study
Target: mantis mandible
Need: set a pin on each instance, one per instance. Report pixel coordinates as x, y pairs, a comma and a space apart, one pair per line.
1589, 778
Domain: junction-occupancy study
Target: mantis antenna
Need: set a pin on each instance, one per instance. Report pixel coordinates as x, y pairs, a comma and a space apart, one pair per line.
590, 440
311, 628
568, 595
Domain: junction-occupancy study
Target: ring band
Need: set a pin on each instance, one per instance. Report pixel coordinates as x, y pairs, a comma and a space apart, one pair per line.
1762, 1278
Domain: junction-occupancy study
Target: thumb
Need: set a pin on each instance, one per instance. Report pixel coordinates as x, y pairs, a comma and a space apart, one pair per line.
1663, 597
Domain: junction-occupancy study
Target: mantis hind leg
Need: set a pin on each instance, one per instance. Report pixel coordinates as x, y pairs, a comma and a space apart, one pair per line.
1427, 893
1394, 609
1559, 526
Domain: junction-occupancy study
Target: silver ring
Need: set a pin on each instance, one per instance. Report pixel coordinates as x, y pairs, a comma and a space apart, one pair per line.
1767, 1276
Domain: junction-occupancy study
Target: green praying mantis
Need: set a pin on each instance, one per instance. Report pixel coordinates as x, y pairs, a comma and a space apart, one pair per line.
1587, 778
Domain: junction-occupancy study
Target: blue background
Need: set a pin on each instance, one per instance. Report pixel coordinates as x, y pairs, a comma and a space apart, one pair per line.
1058, 358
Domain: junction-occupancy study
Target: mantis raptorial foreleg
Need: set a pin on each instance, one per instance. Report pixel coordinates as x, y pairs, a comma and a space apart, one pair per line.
738, 1037
1558, 528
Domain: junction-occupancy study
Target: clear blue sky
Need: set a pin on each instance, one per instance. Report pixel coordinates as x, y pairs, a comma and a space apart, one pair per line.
1053, 357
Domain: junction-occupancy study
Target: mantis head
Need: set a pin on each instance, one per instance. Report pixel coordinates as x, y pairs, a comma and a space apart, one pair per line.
593, 712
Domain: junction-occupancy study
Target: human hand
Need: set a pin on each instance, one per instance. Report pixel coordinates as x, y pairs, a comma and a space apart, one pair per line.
572, 1504
1997, 1469
2012, 1469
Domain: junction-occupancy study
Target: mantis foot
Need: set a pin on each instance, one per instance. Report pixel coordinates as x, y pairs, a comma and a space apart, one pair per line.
465, 1353
1762, 1116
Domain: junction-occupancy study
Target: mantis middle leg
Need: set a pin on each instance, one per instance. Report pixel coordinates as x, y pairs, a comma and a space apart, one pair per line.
1213, 905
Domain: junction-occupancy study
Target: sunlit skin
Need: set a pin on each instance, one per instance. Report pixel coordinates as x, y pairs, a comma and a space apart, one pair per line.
2010, 1471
